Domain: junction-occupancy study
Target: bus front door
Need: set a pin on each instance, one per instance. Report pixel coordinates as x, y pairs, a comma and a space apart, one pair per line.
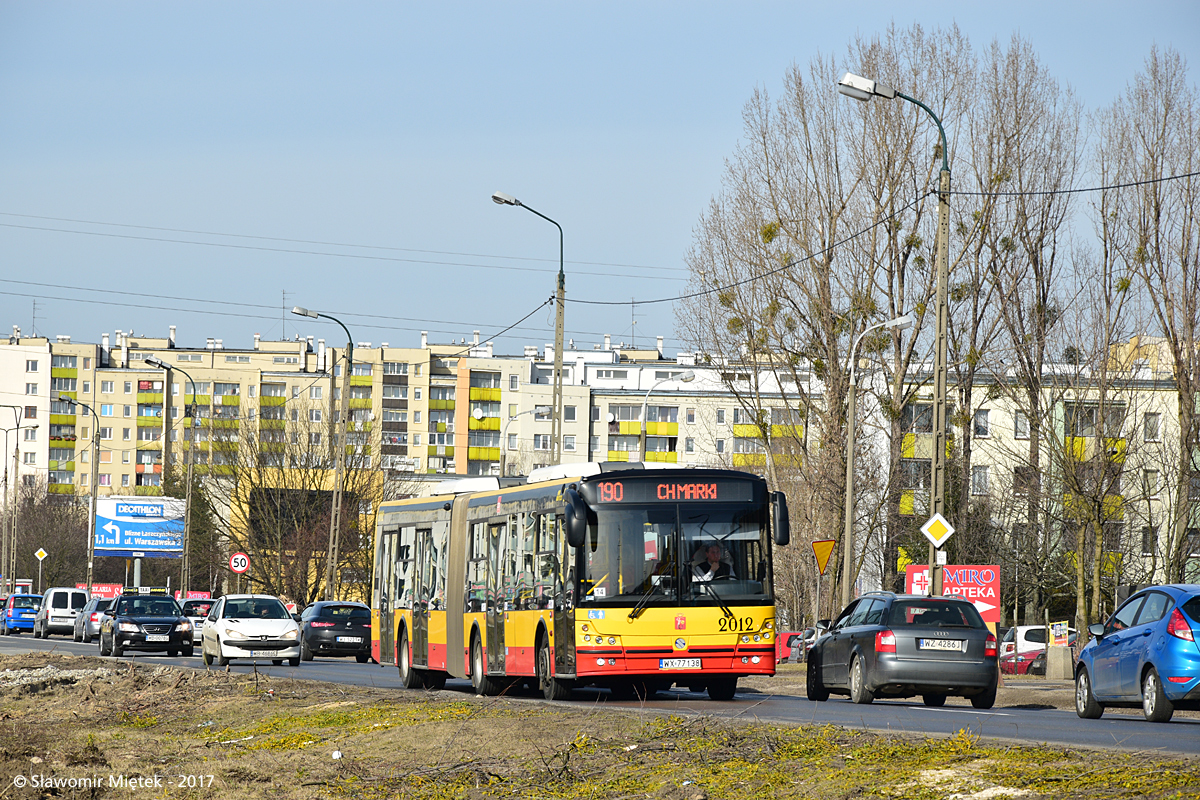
387, 565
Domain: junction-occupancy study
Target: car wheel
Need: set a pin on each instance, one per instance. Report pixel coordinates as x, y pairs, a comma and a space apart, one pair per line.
1085, 702
222, 661
985, 699
409, 677
934, 700
479, 678
859, 692
294, 661
76, 636
551, 687
172, 654
87, 637
722, 688
362, 658
104, 651
1155, 704
115, 648
188, 652
306, 653
815, 690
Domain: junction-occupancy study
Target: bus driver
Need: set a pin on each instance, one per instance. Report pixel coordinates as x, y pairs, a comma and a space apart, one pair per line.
712, 567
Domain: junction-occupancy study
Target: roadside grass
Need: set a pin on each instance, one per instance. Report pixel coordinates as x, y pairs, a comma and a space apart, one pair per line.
263, 737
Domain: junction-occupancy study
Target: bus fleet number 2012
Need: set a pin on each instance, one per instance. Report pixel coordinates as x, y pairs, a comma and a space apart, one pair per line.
736, 624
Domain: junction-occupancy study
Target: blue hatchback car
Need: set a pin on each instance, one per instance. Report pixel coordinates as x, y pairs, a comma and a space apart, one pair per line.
1145, 655
19, 611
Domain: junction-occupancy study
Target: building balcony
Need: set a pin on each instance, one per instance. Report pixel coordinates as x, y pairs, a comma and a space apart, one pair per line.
661, 429
360, 402
619, 455
665, 457
441, 405
150, 398
441, 450
485, 424
268, 402
483, 453
63, 419
63, 372
361, 380
60, 488
488, 395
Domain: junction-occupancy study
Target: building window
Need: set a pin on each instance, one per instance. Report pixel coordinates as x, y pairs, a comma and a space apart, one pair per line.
128, 411
626, 413
616, 374
61, 384
314, 415
979, 479
720, 418
106, 387
106, 433
569, 414
623, 444
416, 440
982, 427
127, 434
314, 439
720, 445
689, 445
1150, 482
29, 458
128, 387
87, 363
105, 480
512, 383
569, 444
361, 368
395, 368
87, 387
31, 434
1151, 427
917, 418
30, 412
286, 360
541, 441
541, 413
1149, 540
417, 393
31, 388
595, 413
512, 441
745, 444
30, 365
690, 416
662, 414
227, 389
1020, 425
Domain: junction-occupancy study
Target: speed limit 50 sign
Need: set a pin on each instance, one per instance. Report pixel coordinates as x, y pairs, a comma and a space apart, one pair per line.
239, 562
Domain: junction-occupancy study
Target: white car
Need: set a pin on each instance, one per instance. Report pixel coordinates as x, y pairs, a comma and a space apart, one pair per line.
1025, 639
255, 627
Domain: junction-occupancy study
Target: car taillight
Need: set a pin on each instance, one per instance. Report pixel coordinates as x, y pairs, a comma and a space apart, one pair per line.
1178, 627
322, 624
95, 617
885, 642
989, 646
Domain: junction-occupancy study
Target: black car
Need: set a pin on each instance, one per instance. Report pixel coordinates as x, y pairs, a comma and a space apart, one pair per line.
889, 645
336, 628
149, 620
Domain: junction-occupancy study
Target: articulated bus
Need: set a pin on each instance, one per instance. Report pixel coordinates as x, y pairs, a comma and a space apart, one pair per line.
610, 575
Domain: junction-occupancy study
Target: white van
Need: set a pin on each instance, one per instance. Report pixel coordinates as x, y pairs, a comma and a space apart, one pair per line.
1025, 639
60, 606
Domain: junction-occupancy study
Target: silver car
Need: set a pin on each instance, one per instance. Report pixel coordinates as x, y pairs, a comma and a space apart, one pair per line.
87, 624
196, 610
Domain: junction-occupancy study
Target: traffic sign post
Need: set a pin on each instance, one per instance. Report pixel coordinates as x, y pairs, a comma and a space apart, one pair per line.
239, 562
41, 556
938, 531
822, 549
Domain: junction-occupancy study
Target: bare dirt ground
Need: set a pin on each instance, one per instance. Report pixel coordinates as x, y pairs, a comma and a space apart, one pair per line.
81, 727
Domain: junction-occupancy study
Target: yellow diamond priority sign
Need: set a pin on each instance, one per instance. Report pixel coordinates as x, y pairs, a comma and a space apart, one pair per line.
937, 530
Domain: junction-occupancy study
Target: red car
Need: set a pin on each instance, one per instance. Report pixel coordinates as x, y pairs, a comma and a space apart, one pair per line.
1018, 663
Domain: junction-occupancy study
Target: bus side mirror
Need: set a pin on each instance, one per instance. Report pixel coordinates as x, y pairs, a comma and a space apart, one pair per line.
576, 518
779, 518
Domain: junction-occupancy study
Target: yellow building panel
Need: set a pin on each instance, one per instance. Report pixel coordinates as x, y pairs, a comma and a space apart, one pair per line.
747, 431
149, 422
1076, 447
749, 459
630, 428
908, 502
272, 401
441, 405
787, 431
663, 457
360, 402
63, 372
150, 397
484, 394
63, 419
60, 488
1114, 450
908, 446
662, 428
69, 466
440, 450
485, 424
618, 455
360, 380
483, 453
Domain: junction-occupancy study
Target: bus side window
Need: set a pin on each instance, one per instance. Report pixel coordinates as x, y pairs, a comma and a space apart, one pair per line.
547, 561
477, 569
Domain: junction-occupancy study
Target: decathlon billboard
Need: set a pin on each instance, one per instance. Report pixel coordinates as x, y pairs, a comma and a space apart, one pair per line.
139, 527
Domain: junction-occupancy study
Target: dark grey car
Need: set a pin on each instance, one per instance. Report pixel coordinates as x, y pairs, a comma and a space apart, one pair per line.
889, 646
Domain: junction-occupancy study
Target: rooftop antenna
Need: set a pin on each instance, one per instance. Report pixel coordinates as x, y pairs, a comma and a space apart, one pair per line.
283, 316
33, 322
633, 326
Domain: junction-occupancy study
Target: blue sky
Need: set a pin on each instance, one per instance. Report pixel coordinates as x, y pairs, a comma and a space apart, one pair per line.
388, 126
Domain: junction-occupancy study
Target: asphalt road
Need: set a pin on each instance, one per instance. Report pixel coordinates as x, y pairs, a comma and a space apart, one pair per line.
1029, 726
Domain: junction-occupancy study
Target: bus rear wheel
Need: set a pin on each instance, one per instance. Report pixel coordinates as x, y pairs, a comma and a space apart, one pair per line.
409, 677
552, 688
484, 685
723, 687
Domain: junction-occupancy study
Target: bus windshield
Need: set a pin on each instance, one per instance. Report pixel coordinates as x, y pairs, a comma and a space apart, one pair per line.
677, 554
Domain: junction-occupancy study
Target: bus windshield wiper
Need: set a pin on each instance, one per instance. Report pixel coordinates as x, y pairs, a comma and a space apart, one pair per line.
641, 604
717, 597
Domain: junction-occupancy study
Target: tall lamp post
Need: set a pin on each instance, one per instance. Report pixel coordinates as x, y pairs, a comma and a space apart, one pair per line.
91, 553
848, 525
864, 89
185, 570
7, 550
686, 377
339, 457
8, 526
504, 433
559, 302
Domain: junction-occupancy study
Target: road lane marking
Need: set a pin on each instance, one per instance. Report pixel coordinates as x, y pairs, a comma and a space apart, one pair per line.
962, 711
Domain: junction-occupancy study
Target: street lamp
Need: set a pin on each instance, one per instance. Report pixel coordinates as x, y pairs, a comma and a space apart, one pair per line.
339, 456
560, 292
190, 413
504, 433
9, 531
686, 377
864, 89
62, 397
899, 323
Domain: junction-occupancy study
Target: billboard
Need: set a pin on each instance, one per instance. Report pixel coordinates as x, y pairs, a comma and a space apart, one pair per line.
979, 584
139, 527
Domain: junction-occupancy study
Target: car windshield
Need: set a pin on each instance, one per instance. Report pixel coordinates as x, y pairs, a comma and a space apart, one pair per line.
345, 612
676, 554
937, 613
194, 609
146, 607
256, 608
27, 602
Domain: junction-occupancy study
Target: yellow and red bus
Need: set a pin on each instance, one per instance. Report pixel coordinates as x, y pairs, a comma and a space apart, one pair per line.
622, 577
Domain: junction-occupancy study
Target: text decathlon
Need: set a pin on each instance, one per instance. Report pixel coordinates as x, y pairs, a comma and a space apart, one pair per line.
139, 510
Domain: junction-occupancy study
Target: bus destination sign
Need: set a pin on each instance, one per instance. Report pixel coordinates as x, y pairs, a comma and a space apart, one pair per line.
655, 491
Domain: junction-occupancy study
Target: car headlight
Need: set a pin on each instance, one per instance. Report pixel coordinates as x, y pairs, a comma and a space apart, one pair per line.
234, 634
294, 633
183, 625
128, 627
